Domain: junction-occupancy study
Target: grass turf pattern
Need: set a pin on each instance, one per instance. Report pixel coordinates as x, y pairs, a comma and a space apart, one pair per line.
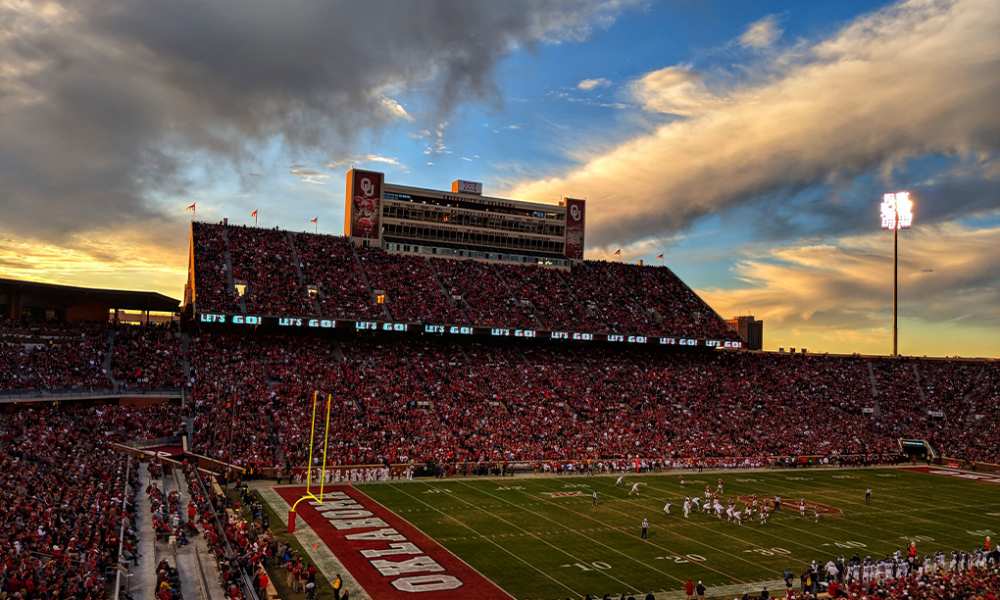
534, 544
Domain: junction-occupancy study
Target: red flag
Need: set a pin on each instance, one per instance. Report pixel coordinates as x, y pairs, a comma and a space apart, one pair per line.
316, 220
618, 251
253, 214
191, 208
659, 256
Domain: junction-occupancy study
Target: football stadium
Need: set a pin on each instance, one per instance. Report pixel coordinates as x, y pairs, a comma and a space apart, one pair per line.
450, 401
518, 300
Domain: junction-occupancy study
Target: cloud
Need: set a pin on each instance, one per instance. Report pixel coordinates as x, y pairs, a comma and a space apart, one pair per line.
914, 79
512, 127
677, 91
760, 34
948, 274
590, 84
310, 176
359, 159
109, 107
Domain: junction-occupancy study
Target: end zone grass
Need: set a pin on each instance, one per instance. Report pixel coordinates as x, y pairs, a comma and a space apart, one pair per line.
542, 538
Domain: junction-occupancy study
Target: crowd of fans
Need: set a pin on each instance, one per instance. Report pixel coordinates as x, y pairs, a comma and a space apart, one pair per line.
147, 356
429, 400
49, 355
262, 260
213, 293
328, 263
413, 293
595, 296
63, 496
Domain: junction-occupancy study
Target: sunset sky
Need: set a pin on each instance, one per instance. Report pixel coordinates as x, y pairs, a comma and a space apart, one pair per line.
750, 142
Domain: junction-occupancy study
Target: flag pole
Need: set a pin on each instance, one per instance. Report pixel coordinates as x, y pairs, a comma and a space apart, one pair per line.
254, 218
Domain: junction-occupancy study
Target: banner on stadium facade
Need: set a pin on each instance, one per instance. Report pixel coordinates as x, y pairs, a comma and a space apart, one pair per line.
364, 204
575, 217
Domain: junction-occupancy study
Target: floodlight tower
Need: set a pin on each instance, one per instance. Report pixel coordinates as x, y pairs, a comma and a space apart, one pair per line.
897, 214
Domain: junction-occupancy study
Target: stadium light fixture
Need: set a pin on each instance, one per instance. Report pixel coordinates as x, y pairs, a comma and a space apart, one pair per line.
897, 213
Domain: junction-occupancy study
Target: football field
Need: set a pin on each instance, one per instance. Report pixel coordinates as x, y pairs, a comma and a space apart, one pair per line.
540, 537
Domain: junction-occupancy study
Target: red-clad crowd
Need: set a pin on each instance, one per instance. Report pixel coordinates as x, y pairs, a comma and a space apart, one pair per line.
63, 496
51, 355
147, 356
262, 260
484, 295
413, 293
214, 293
600, 297
328, 263
430, 400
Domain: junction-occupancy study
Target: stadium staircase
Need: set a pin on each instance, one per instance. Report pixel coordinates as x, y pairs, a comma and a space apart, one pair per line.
444, 290
108, 356
920, 388
586, 307
459, 304
142, 584
298, 272
229, 269
871, 377
517, 301
975, 382
368, 284
185, 358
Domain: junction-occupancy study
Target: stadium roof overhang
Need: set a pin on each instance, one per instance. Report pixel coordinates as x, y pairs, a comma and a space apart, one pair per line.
54, 296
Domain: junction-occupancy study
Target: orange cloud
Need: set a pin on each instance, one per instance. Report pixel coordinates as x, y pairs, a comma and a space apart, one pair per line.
914, 78
837, 296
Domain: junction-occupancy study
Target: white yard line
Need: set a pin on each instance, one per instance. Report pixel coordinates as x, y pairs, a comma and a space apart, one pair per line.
556, 581
575, 531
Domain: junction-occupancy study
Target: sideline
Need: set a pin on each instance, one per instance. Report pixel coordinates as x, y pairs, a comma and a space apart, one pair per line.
321, 555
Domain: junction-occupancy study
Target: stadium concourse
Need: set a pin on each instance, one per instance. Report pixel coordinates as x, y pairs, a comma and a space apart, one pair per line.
75, 505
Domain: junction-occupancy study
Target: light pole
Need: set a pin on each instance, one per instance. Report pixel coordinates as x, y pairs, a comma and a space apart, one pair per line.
897, 213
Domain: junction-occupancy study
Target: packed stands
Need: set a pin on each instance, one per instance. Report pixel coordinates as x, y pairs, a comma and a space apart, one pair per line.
400, 399
414, 293
555, 307
262, 259
328, 263
147, 356
213, 293
485, 296
53, 462
52, 355
594, 296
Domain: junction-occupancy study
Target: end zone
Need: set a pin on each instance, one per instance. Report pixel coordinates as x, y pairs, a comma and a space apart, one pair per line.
388, 556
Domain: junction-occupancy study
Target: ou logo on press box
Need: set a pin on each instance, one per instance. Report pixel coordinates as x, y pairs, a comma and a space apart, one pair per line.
574, 211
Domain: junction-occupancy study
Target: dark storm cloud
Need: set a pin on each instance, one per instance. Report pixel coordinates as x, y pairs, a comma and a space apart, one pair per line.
103, 106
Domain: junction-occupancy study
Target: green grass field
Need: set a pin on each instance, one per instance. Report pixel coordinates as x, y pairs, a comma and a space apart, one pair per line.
535, 545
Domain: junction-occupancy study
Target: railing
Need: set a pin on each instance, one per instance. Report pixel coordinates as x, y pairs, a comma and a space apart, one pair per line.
163, 441
249, 592
81, 393
121, 531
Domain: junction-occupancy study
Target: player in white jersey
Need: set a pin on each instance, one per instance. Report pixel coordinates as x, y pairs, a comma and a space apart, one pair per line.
737, 516
687, 508
666, 509
729, 514
621, 480
718, 509
635, 489
695, 502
